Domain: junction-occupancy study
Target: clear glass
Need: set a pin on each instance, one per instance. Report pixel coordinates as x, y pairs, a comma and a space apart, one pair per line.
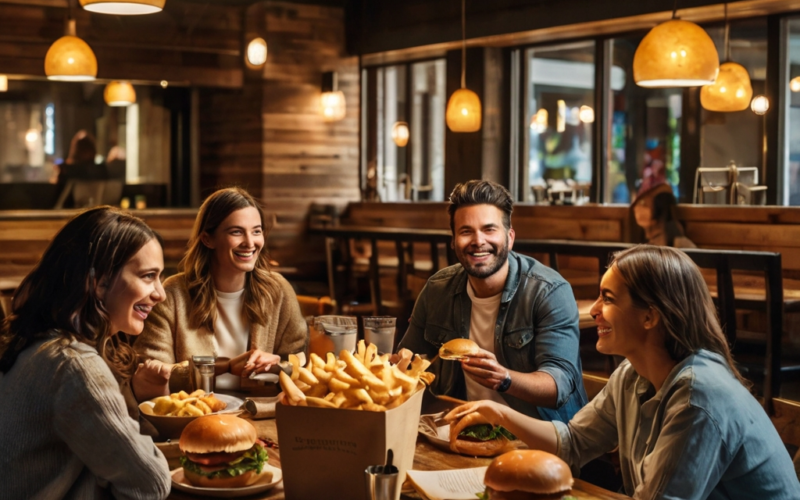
559, 106
644, 127
203, 367
791, 160
736, 137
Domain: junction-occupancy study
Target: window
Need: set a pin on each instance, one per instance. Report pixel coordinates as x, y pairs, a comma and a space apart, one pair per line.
791, 159
559, 102
408, 101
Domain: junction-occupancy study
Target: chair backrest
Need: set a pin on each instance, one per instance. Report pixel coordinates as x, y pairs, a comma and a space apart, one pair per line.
724, 262
713, 185
602, 251
90, 193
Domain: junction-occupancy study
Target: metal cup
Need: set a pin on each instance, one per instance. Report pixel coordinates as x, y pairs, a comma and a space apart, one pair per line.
381, 485
203, 368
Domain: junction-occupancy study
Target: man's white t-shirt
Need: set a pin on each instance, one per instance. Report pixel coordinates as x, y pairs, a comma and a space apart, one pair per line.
481, 330
231, 333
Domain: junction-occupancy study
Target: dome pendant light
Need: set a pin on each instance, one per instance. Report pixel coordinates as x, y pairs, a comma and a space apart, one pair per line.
464, 107
118, 94
676, 53
70, 59
732, 90
124, 7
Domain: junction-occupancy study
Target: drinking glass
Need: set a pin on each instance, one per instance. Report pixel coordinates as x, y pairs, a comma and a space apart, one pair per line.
379, 330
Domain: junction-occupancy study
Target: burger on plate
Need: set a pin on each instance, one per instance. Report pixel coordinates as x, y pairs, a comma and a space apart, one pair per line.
473, 435
222, 451
458, 349
527, 475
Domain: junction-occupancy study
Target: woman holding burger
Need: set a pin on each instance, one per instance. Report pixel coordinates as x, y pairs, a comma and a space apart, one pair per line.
65, 431
225, 302
677, 408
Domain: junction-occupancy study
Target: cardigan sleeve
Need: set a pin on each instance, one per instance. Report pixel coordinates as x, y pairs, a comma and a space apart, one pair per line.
291, 336
157, 340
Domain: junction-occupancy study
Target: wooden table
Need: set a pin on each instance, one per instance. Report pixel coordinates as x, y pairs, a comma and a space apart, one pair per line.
427, 458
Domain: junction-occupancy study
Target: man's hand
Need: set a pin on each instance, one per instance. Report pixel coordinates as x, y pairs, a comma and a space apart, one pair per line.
253, 361
151, 379
484, 369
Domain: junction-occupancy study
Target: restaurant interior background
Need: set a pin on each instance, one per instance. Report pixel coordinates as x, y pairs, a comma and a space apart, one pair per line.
564, 126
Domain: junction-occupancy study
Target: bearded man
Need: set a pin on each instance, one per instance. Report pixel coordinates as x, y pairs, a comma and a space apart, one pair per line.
521, 313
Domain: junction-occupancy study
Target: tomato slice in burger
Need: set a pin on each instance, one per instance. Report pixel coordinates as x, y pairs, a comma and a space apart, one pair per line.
213, 458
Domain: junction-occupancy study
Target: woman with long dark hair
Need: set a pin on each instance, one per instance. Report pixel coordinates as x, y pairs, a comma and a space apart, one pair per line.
65, 431
225, 302
681, 414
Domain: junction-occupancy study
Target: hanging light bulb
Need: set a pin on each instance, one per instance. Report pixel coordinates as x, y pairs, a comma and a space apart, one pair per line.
119, 94
760, 105
586, 114
123, 7
400, 134
70, 59
464, 107
676, 53
332, 102
732, 90
794, 84
256, 54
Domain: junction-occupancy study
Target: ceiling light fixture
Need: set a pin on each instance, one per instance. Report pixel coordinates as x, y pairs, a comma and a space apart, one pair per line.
400, 134
70, 59
256, 53
332, 102
124, 7
118, 94
794, 84
676, 53
732, 90
760, 105
464, 107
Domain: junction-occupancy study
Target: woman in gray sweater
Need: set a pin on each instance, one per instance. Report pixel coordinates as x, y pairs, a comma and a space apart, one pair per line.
65, 431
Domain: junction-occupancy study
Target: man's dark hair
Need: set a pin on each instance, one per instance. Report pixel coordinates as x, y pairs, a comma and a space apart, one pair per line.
479, 192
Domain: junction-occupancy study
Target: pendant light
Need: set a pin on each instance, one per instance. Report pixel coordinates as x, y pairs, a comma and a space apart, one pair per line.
732, 90
70, 59
676, 53
124, 7
332, 103
464, 107
400, 134
759, 105
3, 83
119, 94
256, 53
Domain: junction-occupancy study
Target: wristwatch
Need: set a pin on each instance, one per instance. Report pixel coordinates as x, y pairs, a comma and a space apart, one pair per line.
505, 384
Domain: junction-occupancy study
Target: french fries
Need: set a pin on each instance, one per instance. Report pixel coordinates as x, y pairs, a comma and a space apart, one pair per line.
362, 380
182, 404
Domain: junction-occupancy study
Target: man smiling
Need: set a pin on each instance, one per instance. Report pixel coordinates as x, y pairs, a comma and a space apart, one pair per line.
521, 313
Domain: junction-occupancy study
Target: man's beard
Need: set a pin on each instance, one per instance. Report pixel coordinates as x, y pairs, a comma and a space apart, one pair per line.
488, 269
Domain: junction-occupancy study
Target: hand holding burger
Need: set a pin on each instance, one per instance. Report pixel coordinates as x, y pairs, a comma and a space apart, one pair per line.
222, 451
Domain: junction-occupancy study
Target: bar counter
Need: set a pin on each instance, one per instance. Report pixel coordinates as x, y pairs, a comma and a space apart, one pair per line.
427, 457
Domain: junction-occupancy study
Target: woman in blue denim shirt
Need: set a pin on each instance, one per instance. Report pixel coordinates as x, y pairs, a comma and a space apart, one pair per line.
681, 414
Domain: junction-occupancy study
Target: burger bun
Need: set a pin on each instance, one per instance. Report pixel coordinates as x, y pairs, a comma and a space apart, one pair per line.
458, 349
249, 478
527, 474
217, 433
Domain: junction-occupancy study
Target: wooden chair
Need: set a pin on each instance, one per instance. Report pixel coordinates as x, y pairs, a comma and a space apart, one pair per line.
768, 265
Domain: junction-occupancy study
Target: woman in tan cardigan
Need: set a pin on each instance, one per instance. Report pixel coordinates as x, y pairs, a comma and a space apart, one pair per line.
225, 302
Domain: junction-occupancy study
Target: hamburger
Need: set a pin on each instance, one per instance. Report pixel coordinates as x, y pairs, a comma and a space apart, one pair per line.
222, 451
473, 435
527, 475
458, 349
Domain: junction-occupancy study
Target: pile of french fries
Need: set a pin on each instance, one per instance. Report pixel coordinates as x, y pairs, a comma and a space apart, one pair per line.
361, 381
182, 404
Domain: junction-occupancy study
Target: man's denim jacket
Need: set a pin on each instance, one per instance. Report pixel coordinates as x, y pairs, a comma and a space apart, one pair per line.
536, 330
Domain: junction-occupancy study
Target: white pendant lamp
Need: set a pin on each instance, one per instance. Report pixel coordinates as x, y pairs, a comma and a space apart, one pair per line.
732, 90
256, 53
70, 59
676, 53
118, 94
464, 107
124, 7
759, 105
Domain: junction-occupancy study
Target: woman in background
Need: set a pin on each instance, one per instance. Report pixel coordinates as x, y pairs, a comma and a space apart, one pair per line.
681, 414
65, 431
656, 212
225, 302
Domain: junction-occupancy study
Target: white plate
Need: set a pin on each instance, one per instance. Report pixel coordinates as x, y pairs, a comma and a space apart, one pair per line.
179, 482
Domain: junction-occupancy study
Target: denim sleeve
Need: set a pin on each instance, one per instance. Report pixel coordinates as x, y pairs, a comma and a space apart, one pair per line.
414, 338
591, 432
688, 459
557, 336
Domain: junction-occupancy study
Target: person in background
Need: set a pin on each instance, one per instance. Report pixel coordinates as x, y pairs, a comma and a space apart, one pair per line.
225, 302
678, 409
79, 166
656, 212
116, 163
520, 312
65, 431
